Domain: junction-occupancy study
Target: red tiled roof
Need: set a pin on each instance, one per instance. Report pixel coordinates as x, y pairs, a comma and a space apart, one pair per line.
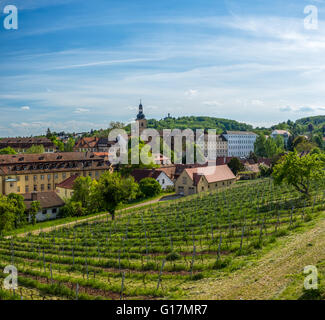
139, 174
46, 199
68, 183
211, 173
88, 142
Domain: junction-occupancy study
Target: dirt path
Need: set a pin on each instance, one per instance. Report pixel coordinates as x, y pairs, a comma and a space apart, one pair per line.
269, 277
103, 215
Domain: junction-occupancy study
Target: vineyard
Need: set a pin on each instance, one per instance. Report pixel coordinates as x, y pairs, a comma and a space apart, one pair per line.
147, 253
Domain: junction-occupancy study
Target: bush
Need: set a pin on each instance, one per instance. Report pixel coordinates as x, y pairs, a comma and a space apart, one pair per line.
149, 187
173, 256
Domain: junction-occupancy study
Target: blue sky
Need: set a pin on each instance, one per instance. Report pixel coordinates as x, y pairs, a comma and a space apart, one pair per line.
75, 65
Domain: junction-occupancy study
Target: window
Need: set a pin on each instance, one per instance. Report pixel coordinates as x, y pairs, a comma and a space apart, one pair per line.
35, 187
18, 189
26, 178
163, 181
54, 210
35, 178
48, 187
48, 177
64, 175
42, 177
184, 180
202, 188
11, 184
42, 187
18, 178
90, 174
44, 211
97, 173
26, 189
56, 176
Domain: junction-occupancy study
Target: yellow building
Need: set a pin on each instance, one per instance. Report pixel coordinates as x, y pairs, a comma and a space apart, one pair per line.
43, 172
196, 180
65, 189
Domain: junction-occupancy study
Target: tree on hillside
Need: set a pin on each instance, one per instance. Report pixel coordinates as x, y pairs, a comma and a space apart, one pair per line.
34, 208
19, 209
259, 146
82, 188
298, 171
149, 187
8, 150
114, 190
35, 149
7, 217
235, 165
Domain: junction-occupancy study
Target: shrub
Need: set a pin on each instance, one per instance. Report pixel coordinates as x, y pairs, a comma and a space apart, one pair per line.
173, 256
149, 187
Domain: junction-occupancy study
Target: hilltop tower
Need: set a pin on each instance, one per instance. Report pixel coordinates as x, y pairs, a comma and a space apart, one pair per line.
141, 119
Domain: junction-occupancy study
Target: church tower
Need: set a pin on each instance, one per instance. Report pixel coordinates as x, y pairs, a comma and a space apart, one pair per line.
141, 119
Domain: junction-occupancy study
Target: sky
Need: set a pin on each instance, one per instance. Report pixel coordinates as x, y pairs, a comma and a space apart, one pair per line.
74, 65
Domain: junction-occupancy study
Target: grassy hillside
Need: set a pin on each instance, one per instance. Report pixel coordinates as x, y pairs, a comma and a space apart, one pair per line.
178, 249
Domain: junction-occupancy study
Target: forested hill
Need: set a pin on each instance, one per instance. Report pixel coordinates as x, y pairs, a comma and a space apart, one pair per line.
198, 123
316, 121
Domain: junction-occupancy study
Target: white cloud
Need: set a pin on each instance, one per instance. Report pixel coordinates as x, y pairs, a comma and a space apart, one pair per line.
25, 108
81, 110
191, 93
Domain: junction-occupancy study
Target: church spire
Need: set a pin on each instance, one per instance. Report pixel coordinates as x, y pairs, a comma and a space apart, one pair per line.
140, 114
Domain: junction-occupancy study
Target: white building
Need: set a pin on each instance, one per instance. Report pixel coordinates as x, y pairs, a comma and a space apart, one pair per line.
240, 143
158, 175
50, 204
284, 133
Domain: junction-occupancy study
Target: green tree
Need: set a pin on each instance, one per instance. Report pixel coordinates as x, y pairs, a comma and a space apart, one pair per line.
298, 171
115, 190
48, 133
149, 187
7, 216
19, 209
259, 146
35, 149
8, 150
82, 188
68, 147
72, 209
271, 148
235, 165
34, 208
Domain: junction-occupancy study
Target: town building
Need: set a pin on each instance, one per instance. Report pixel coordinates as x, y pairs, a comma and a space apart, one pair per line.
50, 204
65, 188
283, 133
157, 174
86, 144
209, 178
217, 146
240, 143
42, 172
20, 145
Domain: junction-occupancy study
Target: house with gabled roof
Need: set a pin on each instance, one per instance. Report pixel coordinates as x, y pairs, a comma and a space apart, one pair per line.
201, 179
157, 174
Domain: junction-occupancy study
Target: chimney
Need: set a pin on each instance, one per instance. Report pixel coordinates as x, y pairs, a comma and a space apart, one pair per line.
34, 196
